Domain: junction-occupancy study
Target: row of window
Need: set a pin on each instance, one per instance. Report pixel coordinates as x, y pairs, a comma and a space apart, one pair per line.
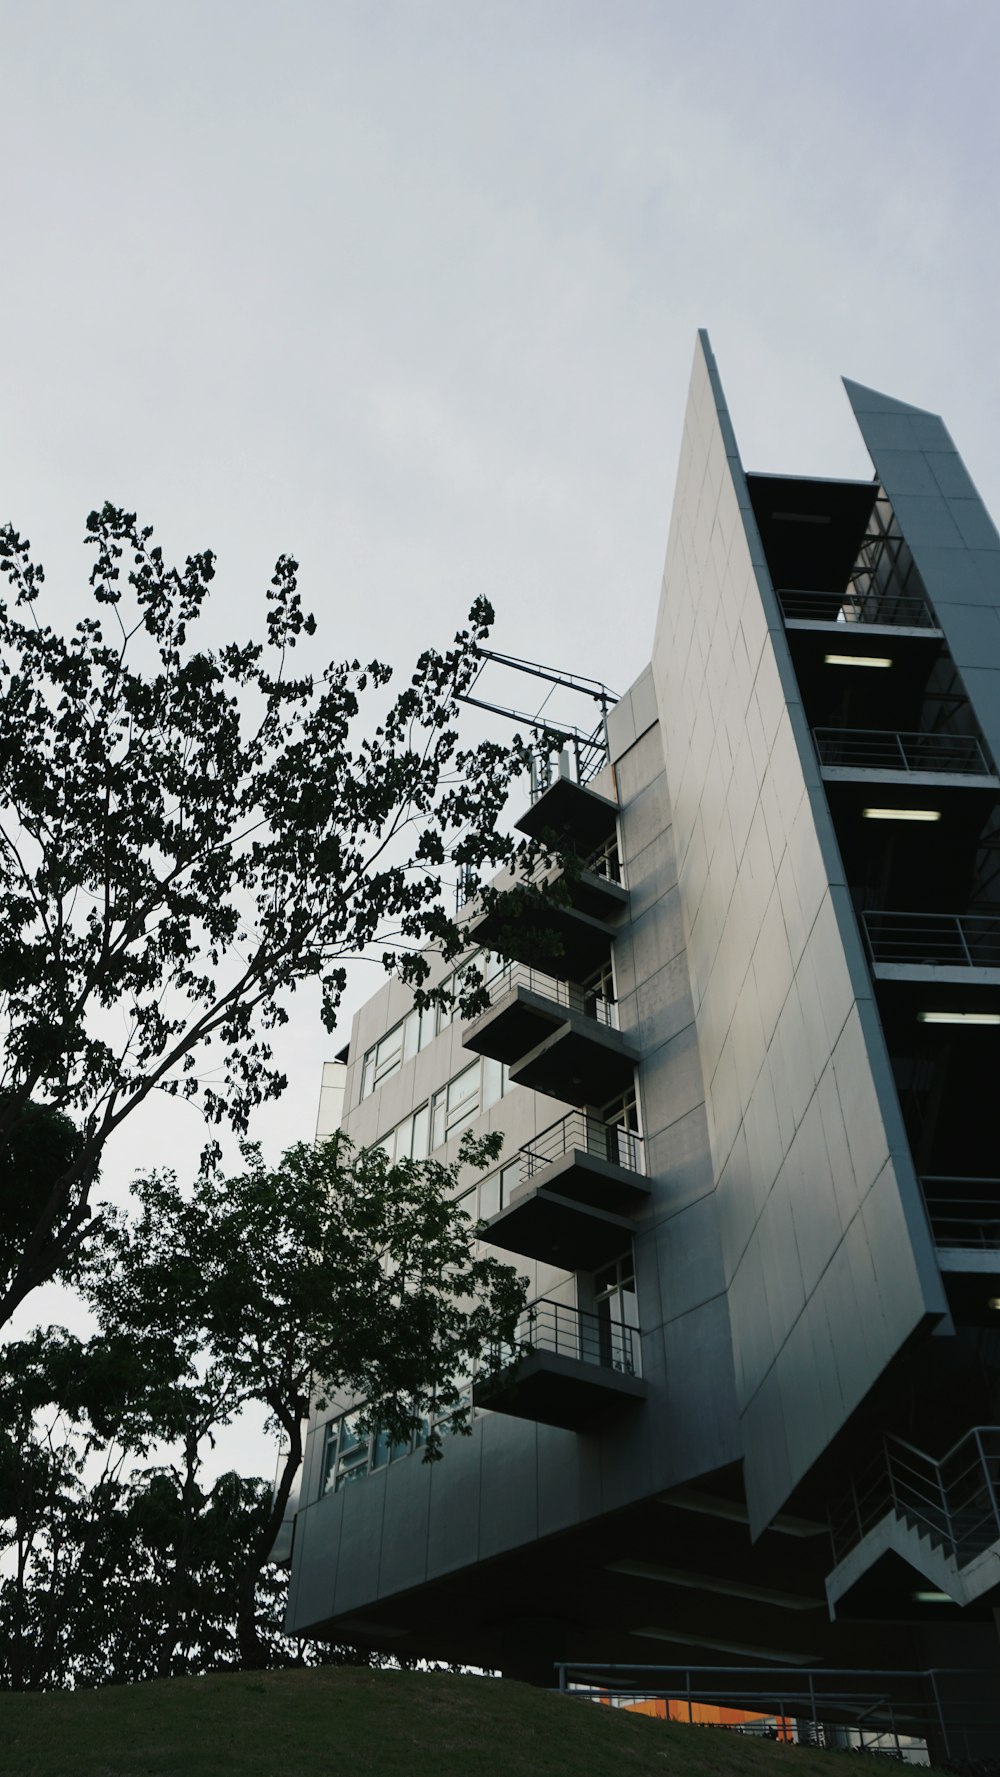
453, 1107
350, 1453
419, 1028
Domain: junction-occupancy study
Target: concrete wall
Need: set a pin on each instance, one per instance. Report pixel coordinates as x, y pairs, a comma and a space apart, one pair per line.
826, 1254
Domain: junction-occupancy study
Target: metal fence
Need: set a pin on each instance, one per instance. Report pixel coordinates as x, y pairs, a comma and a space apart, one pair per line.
873, 1711
607, 1141
589, 1001
964, 1212
802, 604
879, 749
956, 940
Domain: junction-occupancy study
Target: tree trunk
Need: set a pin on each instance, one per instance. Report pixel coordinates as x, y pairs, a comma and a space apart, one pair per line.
254, 1652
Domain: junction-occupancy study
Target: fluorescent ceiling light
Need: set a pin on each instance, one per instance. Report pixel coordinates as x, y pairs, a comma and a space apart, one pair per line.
932, 1598
994, 1302
780, 1655
701, 1582
901, 814
857, 660
959, 1017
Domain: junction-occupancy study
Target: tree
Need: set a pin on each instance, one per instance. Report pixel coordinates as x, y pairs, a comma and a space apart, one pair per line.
336, 1272
187, 834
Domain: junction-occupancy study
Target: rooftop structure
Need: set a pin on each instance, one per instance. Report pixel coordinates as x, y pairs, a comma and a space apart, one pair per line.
751, 1152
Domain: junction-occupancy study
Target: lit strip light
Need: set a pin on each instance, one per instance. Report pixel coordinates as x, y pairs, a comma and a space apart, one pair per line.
901, 814
856, 660
959, 1017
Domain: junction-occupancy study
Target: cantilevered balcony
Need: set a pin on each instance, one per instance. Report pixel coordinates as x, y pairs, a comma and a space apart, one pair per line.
863, 754
531, 928
573, 814
566, 1367
556, 1036
580, 1182
526, 1006
872, 609
959, 947
593, 883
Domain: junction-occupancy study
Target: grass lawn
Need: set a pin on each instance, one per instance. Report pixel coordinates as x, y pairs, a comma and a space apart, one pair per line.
350, 1722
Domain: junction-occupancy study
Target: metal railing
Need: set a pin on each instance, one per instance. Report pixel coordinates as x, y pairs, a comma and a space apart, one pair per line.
834, 1706
566, 752
570, 1332
964, 1212
953, 1501
588, 1001
879, 749
608, 1141
605, 862
804, 604
956, 940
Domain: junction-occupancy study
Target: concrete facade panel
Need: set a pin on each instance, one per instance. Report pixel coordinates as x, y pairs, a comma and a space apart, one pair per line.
317, 1548
362, 1507
508, 1498
406, 1519
452, 1537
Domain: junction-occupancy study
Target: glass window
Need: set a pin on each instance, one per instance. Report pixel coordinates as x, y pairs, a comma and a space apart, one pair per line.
510, 1178
493, 1081
617, 1307
330, 1455
489, 1196
463, 1099
384, 1452
446, 1013
389, 1054
411, 1034
439, 1107
420, 1146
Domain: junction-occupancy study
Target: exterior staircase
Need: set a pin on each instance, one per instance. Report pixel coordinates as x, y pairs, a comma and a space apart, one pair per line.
942, 1517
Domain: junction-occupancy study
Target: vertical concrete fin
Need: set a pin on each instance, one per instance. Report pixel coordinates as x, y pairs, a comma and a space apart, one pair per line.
953, 540
828, 1261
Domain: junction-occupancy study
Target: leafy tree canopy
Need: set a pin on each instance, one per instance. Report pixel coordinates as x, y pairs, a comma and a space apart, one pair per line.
335, 1273
186, 834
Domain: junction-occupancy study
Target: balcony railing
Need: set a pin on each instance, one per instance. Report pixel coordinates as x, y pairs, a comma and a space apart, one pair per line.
604, 862
952, 940
964, 1213
800, 604
588, 1001
569, 1332
878, 749
606, 1141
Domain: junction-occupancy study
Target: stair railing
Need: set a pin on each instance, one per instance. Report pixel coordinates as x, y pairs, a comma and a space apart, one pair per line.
954, 1500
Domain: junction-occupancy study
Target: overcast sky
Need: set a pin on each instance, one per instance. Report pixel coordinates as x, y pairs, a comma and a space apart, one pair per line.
411, 290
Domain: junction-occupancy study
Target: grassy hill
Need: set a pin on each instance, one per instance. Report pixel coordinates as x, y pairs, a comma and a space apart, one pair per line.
350, 1721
